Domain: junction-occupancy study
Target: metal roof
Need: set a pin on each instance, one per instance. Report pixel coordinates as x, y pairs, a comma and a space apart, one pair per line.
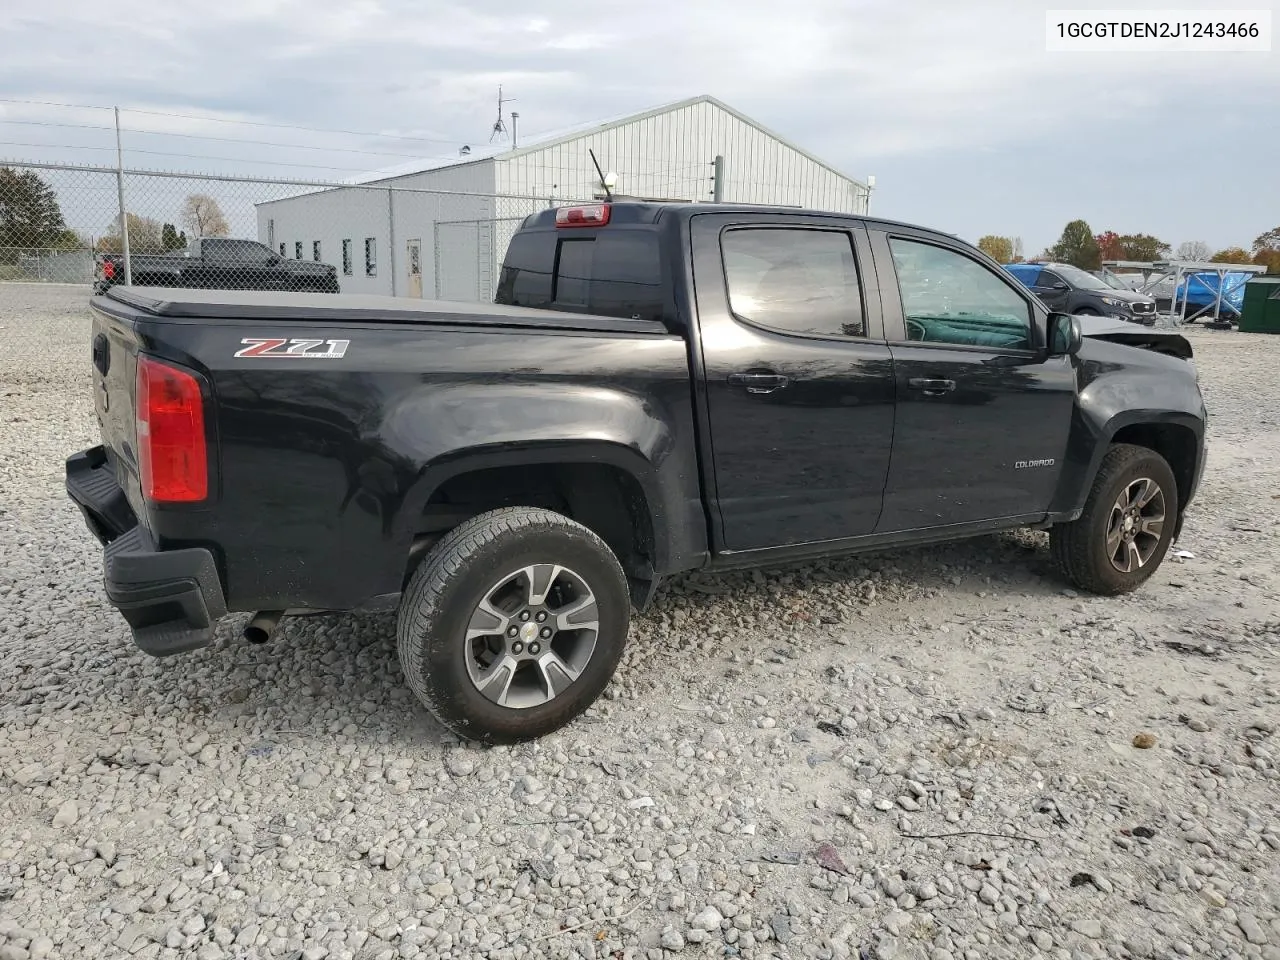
579, 131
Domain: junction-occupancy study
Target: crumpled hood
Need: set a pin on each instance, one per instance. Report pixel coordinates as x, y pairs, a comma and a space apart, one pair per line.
1119, 331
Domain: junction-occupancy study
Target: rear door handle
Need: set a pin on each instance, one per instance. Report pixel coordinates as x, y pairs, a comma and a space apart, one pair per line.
759, 382
932, 388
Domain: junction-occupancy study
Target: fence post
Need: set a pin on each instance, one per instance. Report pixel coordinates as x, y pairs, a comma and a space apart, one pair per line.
391, 229
124, 217
435, 248
717, 180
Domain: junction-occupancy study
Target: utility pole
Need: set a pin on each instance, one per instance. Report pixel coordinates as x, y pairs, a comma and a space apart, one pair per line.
124, 217
717, 179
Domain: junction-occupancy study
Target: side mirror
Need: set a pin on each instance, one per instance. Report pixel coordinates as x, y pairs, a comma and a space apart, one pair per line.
1065, 335
1059, 286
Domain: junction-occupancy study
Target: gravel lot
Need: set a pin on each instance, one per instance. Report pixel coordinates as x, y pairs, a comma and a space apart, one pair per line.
929, 754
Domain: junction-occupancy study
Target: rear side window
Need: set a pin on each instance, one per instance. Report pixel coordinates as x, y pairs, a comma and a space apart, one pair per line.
614, 272
794, 281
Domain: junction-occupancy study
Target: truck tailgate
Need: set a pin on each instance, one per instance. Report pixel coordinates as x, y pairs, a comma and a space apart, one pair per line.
115, 346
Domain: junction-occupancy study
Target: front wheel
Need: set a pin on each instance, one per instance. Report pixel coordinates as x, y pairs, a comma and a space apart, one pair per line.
513, 624
1127, 525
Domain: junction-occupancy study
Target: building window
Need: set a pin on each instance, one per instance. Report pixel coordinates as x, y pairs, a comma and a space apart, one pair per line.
315, 250
346, 258
271, 232
297, 249
282, 253
370, 257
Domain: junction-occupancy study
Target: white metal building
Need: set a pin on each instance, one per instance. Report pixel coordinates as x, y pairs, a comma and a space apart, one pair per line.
442, 232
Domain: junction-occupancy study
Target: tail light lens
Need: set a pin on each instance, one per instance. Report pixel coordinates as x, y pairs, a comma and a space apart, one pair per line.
172, 455
596, 215
108, 269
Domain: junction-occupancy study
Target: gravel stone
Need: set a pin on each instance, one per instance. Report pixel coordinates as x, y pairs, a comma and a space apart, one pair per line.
293, 800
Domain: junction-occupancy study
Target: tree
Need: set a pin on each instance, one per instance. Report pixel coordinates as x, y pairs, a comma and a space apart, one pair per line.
1267, 241
1077, 247
1231, 255
1141, 247
203, 217
1196, 250
1109, 246
1268, 258
170, 239
29, 213
145, 236
999, 249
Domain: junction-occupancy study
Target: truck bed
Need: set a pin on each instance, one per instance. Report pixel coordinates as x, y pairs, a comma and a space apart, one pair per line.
177, 304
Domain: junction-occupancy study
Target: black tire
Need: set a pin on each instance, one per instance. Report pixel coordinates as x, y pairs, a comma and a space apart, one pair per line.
1080, 547
446, 590
1087, 312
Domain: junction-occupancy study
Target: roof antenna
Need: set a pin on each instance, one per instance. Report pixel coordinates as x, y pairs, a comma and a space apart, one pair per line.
499, 127
608, 193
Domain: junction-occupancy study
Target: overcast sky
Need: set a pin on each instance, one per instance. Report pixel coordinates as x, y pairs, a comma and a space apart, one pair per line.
966, 121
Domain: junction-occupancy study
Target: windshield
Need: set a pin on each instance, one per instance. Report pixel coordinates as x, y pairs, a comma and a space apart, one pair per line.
1079, 279
1112, 281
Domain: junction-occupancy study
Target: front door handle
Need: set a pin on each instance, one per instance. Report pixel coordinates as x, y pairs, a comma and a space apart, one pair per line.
759, 382
932, 388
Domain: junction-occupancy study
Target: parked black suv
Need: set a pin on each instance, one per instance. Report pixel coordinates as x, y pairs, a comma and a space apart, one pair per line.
1069, 289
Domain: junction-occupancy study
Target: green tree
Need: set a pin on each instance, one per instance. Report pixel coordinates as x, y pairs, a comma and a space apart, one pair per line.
1141, 247
999, 249
29, 213
1077, 247
1232, 255
169, 237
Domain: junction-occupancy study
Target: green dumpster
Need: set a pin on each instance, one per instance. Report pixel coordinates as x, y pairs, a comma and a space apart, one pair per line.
1261, 312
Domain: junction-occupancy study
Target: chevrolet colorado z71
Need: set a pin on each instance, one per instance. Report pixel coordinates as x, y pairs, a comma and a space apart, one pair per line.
659, 388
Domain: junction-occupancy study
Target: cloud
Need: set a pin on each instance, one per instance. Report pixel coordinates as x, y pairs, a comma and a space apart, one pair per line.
932, 96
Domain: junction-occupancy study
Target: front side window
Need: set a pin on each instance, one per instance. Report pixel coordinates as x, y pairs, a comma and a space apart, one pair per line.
794, 280
948, 298
1047, 278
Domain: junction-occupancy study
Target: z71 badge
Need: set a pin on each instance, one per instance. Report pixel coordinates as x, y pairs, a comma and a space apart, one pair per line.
297, 348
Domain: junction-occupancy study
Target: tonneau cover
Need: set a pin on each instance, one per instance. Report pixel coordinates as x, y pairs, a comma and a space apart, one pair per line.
265, 305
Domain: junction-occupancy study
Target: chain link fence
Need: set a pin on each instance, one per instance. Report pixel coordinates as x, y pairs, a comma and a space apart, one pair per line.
62, 223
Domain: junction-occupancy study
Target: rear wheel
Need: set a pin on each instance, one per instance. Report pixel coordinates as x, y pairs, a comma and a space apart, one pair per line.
513, 624
1127, 525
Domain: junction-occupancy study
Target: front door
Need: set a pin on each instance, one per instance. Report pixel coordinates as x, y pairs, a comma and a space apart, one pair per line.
982, 416
798, 380
415, 269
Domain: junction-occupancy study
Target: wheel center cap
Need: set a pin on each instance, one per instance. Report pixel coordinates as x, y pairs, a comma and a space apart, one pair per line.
1128, 523
529, 632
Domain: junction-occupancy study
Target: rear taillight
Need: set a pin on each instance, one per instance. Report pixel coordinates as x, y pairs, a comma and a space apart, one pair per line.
596, 215
172, 457
108, 269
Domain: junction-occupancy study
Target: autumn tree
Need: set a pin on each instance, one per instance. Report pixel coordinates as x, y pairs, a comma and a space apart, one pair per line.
1269, 258
29, 213
1077, 247
999, 249
1109, 246
145, 236
1232, 255
203, 217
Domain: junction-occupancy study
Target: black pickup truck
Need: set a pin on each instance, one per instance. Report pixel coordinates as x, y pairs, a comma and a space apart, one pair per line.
218, 263
660, 388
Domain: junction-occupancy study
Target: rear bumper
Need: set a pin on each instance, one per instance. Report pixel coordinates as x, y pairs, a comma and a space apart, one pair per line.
171, 599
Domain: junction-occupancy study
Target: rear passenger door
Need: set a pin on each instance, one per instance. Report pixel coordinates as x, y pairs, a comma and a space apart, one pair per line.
798, 381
